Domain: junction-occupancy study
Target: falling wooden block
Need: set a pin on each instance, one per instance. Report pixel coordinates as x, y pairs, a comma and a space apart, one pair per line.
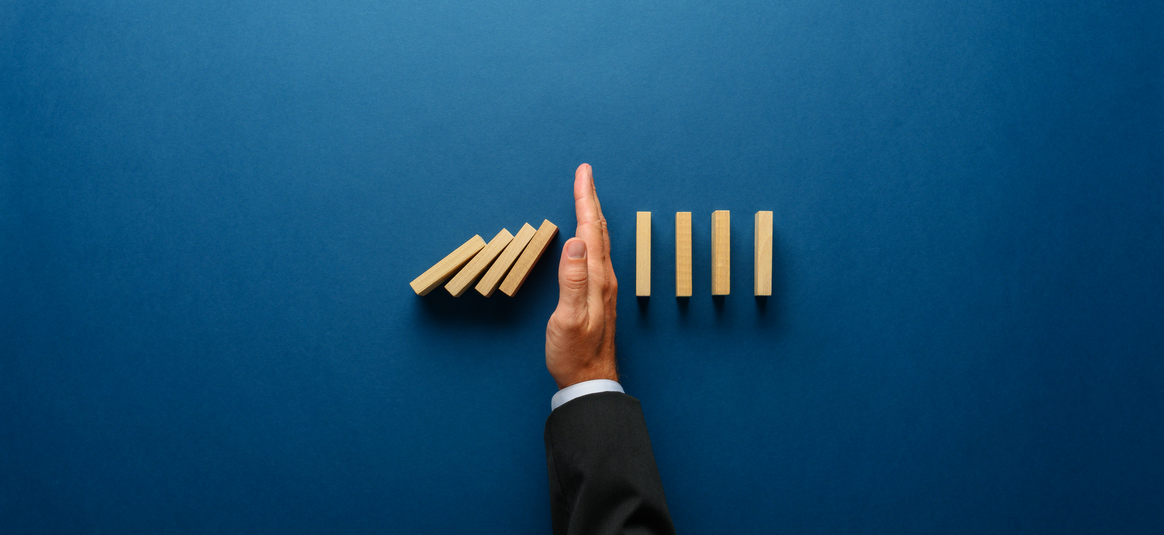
721, 247
444, 269
763, 253
492, 278
643, 255
528, 258
477, 265
682, 254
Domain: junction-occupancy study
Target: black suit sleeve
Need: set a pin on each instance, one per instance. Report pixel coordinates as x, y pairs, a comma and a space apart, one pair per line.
603, 478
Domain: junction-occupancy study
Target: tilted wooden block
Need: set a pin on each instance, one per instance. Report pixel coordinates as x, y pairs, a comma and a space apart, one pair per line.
477, 265
643, 255
492, 278
528, 258
763, 253
444, 269
682, 254
721, 235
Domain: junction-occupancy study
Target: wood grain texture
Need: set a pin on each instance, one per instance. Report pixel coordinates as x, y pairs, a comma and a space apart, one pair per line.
682, 254
643, 254
448, 265
529, 257
492, 278
763, 253
721, 248
463, 279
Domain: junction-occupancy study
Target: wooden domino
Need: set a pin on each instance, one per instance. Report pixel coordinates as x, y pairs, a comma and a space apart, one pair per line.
763, 253
477, 265
529, 257
492, 278
444, 269
721, 224
683, 254
643, 255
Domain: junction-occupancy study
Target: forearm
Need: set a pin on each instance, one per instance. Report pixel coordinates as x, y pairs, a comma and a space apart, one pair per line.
602, 472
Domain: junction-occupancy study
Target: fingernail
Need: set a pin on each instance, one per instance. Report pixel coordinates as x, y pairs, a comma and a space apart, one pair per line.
576, 249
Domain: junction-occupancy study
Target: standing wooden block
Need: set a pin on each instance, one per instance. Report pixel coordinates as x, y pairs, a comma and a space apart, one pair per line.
528, 258
763, 253
721, 247
683, 254
643, 255
477, 265
492, 278
444, 269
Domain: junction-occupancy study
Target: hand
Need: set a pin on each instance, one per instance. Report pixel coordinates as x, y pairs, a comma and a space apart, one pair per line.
580, 333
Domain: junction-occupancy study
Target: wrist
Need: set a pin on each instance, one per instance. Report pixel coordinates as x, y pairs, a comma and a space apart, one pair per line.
589, 375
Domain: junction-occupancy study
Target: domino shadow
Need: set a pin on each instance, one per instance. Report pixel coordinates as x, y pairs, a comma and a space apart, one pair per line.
770, 310
440, 311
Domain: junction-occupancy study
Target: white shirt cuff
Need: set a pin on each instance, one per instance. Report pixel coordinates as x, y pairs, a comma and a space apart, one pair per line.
578, 390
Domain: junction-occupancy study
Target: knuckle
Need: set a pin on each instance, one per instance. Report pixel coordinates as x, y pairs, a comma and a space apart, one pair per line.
554, 332
563, 321
574, 282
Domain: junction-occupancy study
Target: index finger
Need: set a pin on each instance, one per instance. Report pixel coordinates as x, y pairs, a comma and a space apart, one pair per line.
585, 197
591, 222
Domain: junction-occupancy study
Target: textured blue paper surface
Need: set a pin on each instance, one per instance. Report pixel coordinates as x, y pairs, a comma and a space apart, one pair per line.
210, 213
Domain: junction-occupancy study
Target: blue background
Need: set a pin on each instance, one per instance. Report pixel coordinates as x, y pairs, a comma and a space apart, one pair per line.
210, 212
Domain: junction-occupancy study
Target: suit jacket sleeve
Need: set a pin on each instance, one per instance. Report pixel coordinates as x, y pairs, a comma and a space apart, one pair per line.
603, 478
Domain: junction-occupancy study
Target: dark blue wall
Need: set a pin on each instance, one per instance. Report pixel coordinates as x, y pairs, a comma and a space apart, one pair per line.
210, 213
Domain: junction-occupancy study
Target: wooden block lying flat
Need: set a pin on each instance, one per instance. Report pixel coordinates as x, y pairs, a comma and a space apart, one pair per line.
444, 269
528, 258
477, 265
643, 255
721, 247
492, 278
763, 253
683, 254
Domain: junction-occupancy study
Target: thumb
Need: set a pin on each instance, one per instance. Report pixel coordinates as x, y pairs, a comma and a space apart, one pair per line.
572, 279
